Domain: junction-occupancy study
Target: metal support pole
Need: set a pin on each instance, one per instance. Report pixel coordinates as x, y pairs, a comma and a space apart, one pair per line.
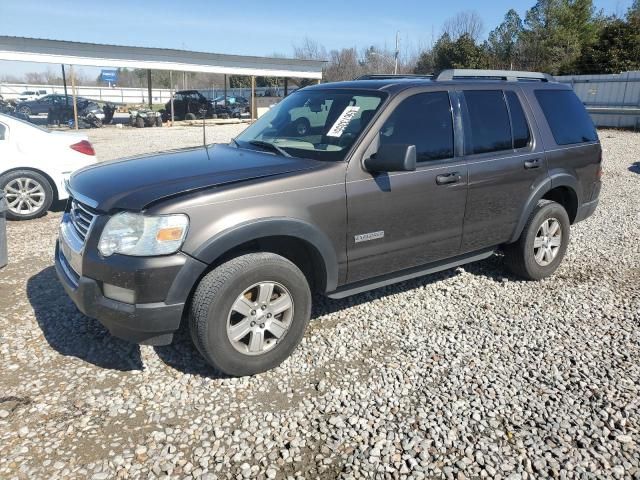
171, 95
286, 86
225, 90
254, 111
73, 94
64, 82
149, 87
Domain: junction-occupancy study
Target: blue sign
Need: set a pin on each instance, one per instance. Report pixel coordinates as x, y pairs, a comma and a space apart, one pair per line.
109, 76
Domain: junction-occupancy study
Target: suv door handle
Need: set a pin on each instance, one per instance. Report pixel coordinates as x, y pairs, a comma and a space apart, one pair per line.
447, 178
535, 163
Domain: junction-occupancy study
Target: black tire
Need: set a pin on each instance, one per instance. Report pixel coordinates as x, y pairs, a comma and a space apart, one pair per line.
190, 116
520, 256
139, 122
8, 178
25, 110
158, 121
215, 296
302, 126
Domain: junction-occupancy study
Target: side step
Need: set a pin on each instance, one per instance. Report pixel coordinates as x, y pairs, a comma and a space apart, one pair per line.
408, 274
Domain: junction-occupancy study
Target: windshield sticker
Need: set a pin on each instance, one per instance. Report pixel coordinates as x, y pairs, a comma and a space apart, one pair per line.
343, 121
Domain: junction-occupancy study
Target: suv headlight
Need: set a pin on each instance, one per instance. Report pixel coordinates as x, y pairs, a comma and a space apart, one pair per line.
143, 235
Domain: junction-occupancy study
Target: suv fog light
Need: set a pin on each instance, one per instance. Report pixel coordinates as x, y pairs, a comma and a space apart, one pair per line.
118, 293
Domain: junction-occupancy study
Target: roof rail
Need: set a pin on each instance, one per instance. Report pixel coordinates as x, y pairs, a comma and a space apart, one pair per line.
384, 76
509, 75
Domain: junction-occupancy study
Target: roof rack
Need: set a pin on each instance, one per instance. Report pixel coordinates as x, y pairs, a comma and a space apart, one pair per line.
383, 76
508, 75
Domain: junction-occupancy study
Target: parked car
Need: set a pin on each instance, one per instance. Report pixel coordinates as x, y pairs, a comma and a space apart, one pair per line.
35, 164
403, 177
29, 95
43, 104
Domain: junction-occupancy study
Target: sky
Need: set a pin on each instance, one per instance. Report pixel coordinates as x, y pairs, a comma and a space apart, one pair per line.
245, 27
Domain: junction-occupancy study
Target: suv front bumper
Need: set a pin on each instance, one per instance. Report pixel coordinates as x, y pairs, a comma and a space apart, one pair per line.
152, 323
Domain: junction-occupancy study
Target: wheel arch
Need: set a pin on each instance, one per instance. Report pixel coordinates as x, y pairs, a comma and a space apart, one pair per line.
302, 243
53, 185
561, 188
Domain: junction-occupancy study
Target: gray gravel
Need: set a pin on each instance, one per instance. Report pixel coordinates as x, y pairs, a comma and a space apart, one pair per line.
468, 373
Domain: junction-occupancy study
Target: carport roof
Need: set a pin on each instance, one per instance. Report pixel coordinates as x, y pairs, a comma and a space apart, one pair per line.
99, 55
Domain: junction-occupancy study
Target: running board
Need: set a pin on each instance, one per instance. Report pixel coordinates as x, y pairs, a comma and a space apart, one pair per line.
408, 274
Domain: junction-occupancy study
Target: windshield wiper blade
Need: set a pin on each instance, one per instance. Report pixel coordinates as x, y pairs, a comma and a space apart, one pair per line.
270, 146
235, 142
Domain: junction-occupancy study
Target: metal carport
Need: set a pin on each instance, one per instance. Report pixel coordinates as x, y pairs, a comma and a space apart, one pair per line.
39, 50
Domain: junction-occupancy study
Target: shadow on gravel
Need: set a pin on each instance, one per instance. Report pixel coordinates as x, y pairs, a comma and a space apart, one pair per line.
635, 168
71, 333
183, 356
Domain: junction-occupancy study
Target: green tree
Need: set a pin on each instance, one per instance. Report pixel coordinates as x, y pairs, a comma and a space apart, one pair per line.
503, 42
239, 81
425, 64
462, 53
556, 32
616, 50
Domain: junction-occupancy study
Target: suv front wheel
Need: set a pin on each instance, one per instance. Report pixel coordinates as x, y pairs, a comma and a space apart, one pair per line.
249, 314
542, 244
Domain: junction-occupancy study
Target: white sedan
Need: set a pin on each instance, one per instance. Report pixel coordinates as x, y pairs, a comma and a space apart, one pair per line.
34, 164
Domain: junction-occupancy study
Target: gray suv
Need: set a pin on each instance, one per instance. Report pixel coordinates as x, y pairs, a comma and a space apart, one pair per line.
390, 179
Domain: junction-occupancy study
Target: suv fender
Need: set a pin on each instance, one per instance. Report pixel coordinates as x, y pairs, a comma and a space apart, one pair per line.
245, 232
558, 179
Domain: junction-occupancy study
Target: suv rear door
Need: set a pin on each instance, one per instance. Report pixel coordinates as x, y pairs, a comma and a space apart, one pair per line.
506, 162
399, 220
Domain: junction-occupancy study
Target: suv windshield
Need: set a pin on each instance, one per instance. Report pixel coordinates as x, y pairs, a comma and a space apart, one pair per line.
317, 124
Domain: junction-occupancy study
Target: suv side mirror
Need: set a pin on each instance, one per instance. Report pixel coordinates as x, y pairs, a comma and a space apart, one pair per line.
392, 158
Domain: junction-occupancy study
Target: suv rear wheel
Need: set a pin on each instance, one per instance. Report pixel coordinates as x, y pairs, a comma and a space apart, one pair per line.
542, 244
250, 313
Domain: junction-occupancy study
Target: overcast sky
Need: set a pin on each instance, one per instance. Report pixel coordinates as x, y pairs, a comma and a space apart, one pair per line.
245, 26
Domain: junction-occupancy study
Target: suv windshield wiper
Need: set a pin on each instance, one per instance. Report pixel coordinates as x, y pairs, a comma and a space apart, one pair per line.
269, 146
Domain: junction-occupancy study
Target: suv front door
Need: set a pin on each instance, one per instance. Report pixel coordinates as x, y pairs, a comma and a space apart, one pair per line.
506, 163
400, 220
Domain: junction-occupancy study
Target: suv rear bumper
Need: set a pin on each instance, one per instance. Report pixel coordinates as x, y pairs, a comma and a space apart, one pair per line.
586, 210
144, 323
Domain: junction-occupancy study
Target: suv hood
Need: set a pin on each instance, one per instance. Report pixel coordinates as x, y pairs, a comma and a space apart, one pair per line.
134, 183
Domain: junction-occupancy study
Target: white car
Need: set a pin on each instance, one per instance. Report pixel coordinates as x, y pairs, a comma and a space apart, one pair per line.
35, 163
31, 95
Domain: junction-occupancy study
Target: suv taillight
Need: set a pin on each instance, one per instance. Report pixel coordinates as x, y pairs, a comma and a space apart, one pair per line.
83, 147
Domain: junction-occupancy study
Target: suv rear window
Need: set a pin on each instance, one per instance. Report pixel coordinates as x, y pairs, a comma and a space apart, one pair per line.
566, 116
490, 129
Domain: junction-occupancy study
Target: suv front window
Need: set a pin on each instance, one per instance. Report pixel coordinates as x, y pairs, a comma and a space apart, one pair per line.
317, 124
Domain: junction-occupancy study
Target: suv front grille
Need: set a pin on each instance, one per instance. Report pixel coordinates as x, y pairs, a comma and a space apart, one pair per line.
82, 218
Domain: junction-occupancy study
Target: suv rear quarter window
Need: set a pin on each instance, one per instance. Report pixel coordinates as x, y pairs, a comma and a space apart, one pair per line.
489, 125
521, 133
566, 116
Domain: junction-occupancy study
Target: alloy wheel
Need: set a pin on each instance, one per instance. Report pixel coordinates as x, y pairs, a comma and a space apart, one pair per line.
24, 196
547, 242
260, 318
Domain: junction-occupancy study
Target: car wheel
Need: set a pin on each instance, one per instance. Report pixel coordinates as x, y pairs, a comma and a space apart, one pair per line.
139, 122
302, 126
28, 194
250, 313
542, 244
158, 121
25, 110
190, 116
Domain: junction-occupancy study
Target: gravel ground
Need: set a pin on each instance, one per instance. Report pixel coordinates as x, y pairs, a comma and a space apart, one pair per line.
464, 374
